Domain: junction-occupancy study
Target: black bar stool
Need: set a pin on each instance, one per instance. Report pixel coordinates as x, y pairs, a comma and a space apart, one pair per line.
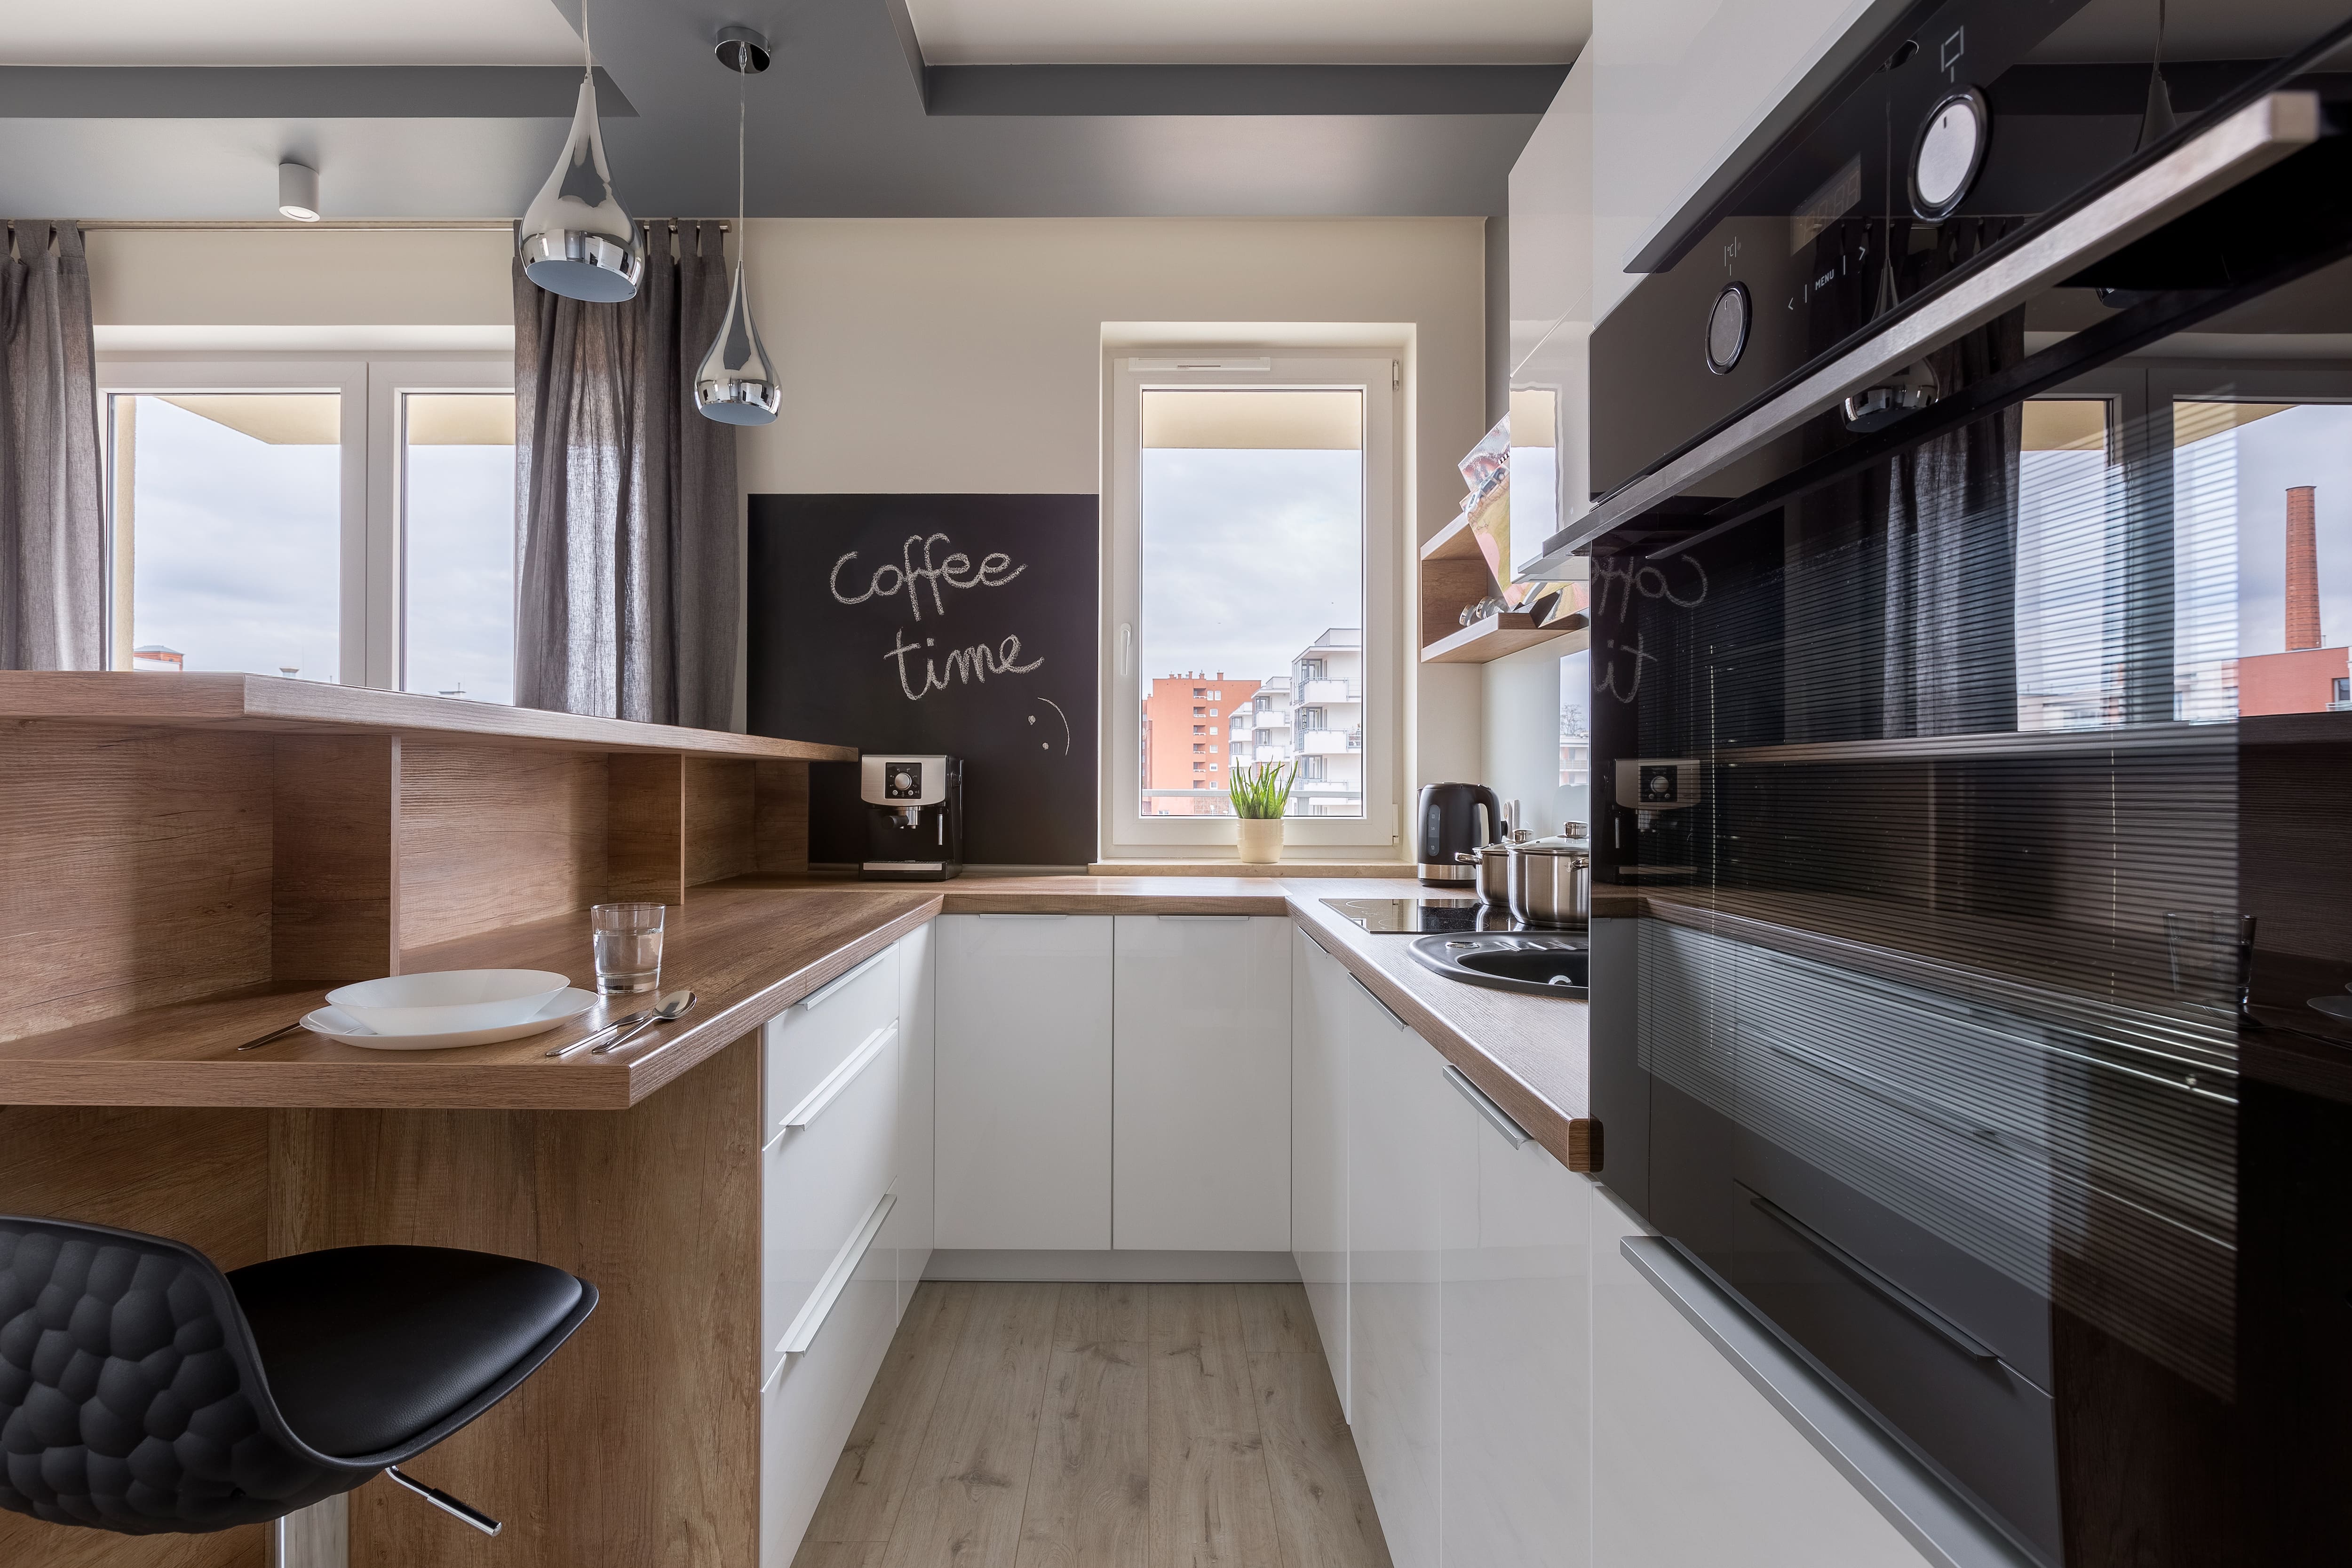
144, 1392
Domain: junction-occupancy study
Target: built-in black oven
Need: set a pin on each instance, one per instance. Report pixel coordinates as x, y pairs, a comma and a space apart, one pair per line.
1972, 747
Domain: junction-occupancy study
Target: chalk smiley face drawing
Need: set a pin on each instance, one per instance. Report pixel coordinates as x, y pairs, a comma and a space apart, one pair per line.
1044, 731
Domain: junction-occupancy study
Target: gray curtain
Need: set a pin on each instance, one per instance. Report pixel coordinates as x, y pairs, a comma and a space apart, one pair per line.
52, 508
1950, 651
626, 581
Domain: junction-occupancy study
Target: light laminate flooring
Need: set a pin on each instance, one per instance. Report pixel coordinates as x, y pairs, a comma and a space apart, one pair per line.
1067, 1425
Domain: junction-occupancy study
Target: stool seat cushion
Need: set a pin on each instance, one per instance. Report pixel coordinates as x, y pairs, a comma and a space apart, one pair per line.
364, 1347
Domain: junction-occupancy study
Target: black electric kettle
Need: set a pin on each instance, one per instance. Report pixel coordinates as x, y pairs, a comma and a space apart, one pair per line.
1448, 814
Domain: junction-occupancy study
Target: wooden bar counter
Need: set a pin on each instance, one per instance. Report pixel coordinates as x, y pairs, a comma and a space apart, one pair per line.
187, 861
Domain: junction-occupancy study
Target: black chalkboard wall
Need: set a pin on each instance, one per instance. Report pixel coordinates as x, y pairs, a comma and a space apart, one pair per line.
962, 624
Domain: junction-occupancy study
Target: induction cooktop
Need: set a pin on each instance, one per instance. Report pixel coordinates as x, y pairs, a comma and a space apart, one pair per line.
1420, 916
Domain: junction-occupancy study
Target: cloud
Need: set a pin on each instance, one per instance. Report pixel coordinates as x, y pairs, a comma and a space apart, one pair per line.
1247, 556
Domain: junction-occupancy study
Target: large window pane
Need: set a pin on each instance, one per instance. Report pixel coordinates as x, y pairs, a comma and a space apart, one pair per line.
1251, 639
228, 532
457, 544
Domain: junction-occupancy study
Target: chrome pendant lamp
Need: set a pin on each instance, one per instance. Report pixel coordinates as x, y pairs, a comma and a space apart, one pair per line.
576, 239
736, 384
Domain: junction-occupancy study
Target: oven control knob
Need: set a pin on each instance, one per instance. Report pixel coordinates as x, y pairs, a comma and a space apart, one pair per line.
1726, 328
1947, 153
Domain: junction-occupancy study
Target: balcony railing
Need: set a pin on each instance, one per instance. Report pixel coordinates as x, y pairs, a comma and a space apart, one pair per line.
1312, 692
1330, 742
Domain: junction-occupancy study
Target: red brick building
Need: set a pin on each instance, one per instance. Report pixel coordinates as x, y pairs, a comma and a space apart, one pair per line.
1186, 725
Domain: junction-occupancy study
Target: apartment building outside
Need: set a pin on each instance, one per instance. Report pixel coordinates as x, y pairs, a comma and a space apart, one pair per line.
1327, 683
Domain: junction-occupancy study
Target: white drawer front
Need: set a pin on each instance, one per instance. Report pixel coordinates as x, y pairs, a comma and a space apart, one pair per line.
810, 1038
820, 1178
809, 1402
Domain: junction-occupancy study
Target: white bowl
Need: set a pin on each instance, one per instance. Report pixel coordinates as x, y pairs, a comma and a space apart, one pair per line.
448, 1000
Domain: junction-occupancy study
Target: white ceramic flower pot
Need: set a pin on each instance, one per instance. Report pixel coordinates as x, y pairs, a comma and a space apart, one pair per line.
1261, 839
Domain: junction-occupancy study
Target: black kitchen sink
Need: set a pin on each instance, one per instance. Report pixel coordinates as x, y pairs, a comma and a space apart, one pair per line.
1540, 963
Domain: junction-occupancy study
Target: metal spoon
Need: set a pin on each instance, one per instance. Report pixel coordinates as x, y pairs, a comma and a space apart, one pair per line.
673, 1007
593, 1036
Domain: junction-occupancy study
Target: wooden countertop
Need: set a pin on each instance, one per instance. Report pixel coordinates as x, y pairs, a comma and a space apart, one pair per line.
750, 948
270, 702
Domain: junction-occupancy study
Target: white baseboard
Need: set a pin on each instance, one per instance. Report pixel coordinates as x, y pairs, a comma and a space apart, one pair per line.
1119, 1267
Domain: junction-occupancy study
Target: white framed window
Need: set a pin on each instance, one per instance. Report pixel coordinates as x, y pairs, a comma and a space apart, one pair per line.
332, 517
1253, 531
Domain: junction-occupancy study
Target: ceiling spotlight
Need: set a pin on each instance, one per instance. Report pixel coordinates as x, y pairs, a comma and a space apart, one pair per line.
298, 193
737, 381
576, 239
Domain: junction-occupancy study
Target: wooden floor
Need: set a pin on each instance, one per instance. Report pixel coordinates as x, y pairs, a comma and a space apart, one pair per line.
1099, 1426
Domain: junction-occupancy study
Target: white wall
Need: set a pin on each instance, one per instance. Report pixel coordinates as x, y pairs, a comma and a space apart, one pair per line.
920, 355
1677, 84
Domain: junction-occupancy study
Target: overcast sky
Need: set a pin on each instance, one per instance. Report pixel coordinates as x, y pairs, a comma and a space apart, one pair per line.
1247, 556
238, 546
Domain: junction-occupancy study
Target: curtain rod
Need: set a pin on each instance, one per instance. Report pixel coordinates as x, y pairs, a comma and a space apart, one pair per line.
417, 225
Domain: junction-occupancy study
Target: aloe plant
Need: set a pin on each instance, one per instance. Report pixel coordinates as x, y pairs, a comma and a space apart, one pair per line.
1262, 789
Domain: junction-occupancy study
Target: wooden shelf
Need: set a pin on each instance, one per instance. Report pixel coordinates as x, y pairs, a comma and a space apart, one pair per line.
1455, 541
314, 708
1496, 635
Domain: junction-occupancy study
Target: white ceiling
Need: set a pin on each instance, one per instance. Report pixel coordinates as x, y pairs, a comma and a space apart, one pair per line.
287, 33
1238, 32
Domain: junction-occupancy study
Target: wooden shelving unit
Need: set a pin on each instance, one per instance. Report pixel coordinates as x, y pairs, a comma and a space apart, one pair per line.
1453, 573
174, 838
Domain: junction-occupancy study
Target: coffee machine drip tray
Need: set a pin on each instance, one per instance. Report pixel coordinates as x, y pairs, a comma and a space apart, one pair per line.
1420, 916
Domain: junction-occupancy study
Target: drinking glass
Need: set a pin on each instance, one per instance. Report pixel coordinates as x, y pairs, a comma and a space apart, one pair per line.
628, 940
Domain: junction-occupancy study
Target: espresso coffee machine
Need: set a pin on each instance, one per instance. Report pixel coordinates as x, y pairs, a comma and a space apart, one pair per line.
914, 817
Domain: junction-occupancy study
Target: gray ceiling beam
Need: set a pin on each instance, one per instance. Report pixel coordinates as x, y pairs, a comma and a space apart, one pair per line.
1117, 91
300, 92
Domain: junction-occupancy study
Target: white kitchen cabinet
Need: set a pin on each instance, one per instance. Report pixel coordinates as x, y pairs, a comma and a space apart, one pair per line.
837, 1103
1401, 1118
910, 1231
1691, 1466
1318, 1148
1515, 1446
1200, 1083
1023, 1082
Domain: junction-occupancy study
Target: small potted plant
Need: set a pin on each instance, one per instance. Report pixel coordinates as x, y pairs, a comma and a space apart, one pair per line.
1261, 794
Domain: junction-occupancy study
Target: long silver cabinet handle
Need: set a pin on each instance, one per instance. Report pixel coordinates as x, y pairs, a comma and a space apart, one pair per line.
1497, 1117
1202, 917
824, 993
1054, 915
830, 1086
1377, 1002
2219, 156
819, 1306
1894, 1295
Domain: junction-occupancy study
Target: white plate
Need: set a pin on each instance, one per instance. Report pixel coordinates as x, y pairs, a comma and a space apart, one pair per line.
343, 1029
2335, 1006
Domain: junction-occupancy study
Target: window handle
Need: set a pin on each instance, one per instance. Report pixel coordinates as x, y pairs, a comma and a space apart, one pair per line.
1125, 649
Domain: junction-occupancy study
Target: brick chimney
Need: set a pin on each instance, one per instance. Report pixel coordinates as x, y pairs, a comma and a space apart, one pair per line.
2302, 569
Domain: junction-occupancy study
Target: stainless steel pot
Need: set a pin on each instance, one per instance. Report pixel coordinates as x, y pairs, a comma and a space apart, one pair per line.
1552, 883
1494, 864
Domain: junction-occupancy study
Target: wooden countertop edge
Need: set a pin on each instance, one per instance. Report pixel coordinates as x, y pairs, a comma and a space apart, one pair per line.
722, 1030
1573, 1140
403, 1083
534, 1084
